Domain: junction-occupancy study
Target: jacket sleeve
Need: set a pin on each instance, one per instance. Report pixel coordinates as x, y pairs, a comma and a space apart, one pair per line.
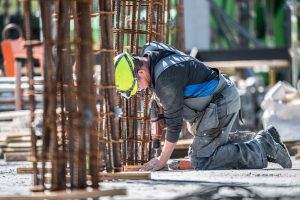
169, 89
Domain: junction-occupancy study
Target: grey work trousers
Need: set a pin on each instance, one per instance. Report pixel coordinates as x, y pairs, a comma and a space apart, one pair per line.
210, 148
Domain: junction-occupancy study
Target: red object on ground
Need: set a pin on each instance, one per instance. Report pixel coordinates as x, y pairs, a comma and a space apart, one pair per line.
185, 164
180, 164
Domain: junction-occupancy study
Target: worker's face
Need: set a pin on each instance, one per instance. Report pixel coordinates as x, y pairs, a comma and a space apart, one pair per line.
144, 77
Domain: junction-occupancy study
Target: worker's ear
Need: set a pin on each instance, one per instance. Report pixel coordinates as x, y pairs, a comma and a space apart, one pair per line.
141, 71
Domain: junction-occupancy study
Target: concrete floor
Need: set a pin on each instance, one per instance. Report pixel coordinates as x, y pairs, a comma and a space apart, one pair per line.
267, 183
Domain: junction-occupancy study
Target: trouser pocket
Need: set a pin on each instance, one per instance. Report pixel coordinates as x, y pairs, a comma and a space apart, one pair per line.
206, 130
208, 121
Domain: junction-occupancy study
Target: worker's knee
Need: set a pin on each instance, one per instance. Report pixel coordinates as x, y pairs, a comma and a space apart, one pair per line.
205, 144
199, 163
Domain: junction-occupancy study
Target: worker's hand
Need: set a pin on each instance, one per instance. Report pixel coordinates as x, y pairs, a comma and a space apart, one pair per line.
154, 164
158, 163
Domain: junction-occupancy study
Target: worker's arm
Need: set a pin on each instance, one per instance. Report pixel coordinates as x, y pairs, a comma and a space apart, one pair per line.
160, 162
169, 90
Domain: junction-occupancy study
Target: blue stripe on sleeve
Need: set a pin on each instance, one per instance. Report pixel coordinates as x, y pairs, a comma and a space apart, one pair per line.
200, 90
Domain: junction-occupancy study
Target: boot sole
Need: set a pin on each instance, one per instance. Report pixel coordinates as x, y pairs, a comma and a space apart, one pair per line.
273, 132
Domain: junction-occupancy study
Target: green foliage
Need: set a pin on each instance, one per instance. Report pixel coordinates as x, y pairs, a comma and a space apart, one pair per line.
278, 25
258, 21
12, 7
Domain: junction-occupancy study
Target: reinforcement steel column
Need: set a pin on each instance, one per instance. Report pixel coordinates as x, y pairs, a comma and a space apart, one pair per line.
86, 98
48, 65
63, 63
29, 64
107, 77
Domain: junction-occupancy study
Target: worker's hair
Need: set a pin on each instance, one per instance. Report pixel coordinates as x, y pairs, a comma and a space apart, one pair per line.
138, 63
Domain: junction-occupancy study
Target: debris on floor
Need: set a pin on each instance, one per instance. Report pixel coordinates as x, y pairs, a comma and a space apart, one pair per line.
282, 109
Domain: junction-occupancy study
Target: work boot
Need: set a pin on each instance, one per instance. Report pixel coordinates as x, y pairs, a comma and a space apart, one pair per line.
275, 152
274, 133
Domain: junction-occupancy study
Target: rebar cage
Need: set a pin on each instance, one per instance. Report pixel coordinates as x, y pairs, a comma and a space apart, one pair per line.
87, 127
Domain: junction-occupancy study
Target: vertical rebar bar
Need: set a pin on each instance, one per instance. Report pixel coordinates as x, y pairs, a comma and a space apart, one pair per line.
117, 17
138, 24
63, 62
71, 100
168, 21
29, 64
122, 18
144, 127
46, 22
73, 114
133, 28
150, 15
53, 148
157, 20
86, 100
107, 70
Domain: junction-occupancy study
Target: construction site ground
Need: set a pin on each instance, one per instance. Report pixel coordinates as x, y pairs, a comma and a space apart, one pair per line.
266, 183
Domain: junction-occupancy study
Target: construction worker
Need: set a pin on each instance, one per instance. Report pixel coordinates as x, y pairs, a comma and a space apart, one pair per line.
189, 90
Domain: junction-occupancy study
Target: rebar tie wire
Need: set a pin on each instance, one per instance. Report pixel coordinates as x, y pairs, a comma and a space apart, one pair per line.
99, 51
102, 12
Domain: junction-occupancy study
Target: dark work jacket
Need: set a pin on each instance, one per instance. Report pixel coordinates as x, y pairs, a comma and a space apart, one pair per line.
182, 84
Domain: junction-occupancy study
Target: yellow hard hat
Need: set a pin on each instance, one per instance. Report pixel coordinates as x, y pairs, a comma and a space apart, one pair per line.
125, 75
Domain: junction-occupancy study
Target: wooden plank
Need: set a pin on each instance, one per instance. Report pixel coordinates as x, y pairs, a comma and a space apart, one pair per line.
102, 176
182, 143
15, 150
3, 139
29, 170
19, 145
15, 114
18, 135
23, 79
74, 194
108, 176
20, 156
132, 168
24, 170
18, 139
7, 100
125, 175
7, 87
2, 144
248, 63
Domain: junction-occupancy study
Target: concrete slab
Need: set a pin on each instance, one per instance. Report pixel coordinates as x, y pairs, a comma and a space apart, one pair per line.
267, 183
12, 183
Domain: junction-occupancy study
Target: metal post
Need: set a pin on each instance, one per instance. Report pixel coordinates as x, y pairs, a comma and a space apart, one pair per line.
48, 64
29, 64
18, 89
